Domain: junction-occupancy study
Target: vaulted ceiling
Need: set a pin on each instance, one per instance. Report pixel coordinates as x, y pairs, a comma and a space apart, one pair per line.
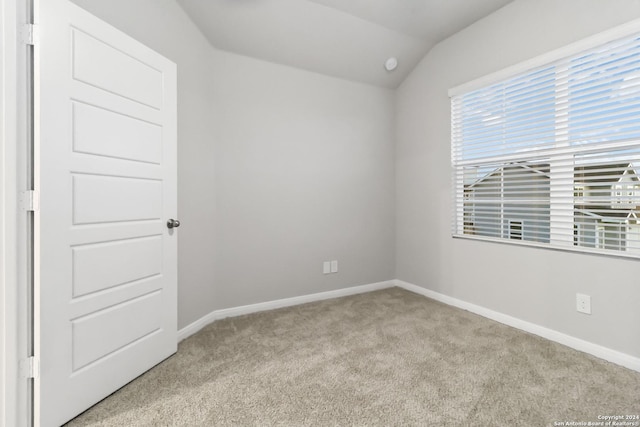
349, 39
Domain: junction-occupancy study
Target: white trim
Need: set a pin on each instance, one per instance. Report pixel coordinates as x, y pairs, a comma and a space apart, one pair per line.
596, 350
620, 31
547, 246
10, 386
194, 327
602, 352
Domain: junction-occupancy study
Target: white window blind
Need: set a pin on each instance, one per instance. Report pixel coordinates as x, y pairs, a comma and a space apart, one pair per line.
551, 156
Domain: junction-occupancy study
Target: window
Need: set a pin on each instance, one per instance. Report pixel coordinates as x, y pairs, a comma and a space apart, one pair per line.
515, 230
556, 147
599, 243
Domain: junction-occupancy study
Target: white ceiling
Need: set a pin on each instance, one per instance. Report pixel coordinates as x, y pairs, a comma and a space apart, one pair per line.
349, 39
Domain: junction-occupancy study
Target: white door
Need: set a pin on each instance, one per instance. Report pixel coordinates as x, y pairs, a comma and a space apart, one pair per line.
105, 159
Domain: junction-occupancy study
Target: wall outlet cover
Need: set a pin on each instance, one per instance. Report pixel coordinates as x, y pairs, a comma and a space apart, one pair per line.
583, 303
326, 267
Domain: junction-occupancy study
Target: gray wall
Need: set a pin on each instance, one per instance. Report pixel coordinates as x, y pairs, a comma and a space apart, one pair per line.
278, 170
535, 285
304, 170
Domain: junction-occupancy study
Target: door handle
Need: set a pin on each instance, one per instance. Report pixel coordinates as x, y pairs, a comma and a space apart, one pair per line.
173, 223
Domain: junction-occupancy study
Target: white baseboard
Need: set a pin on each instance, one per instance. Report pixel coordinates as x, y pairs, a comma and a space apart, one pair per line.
605, 353
602, 352
194, 327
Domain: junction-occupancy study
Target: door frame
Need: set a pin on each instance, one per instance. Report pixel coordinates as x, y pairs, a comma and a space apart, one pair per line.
15, 394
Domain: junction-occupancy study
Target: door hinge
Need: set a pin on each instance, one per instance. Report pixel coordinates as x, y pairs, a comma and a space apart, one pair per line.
30, 200
29, 34
30, 367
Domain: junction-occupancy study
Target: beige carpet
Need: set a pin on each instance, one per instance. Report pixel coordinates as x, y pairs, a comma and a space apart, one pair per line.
389, 357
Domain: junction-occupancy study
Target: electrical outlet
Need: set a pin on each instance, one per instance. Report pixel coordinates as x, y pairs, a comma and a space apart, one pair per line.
583, 303
326, 267
334, 266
